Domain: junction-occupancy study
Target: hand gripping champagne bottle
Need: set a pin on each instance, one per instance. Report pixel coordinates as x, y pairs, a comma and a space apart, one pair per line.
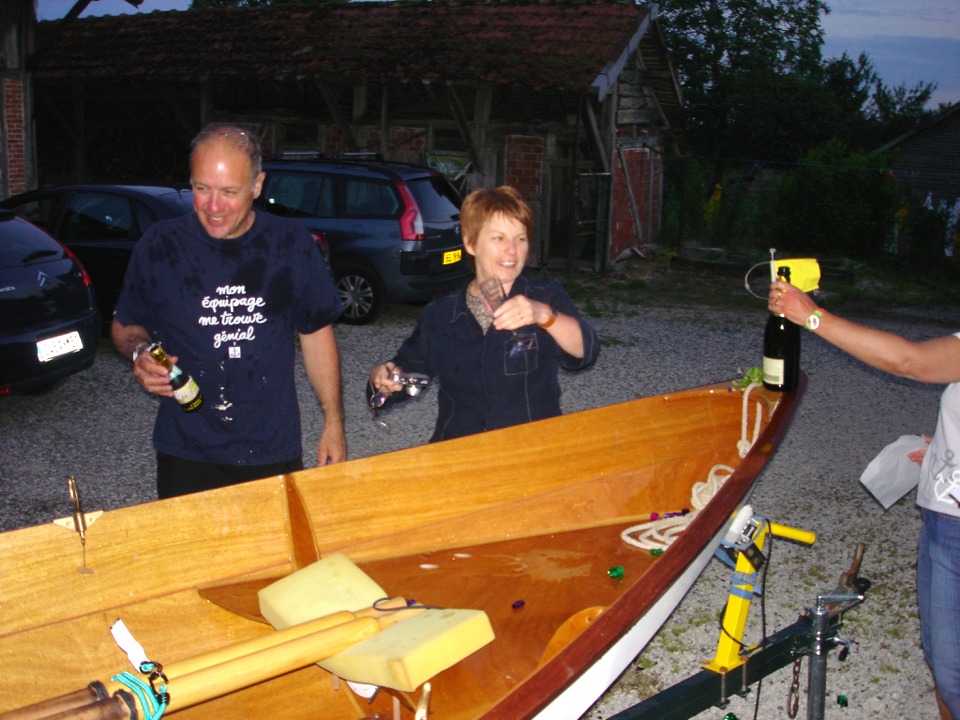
781, 349
185, 390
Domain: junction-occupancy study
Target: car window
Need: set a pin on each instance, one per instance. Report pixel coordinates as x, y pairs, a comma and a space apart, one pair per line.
437, 199
98, 217
371, 198
22, 243
298, 194
42, 212
145, 216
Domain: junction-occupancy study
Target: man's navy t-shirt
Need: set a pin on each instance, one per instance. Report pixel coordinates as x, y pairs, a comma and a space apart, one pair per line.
229, 310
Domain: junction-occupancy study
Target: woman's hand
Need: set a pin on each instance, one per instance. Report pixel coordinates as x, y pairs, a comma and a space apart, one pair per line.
520, 311
791, 302
380, 378
918, 455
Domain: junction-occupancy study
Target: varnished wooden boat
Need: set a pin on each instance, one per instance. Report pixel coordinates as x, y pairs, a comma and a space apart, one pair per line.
532, 513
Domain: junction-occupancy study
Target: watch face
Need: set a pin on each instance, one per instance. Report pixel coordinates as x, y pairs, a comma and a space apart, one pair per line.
813, 322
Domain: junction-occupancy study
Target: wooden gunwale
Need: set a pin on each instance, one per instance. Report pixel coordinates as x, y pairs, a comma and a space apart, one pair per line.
285, 522
533, 695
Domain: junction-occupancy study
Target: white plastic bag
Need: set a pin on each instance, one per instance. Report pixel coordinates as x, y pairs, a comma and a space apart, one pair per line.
891, 474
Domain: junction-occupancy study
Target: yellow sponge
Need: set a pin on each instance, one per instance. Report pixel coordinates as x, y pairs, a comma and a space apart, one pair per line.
327, 586
407, 654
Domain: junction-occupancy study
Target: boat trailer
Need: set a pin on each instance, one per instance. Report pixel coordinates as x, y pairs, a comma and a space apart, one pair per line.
735, 667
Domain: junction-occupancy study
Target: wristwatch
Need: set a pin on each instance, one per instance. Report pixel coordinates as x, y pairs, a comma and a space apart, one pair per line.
813, 322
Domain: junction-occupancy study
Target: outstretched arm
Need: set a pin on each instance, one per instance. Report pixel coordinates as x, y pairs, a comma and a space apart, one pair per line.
932, 361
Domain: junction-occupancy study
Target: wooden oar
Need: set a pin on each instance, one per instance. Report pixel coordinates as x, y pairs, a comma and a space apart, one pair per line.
216, 680
227, 669
382, 610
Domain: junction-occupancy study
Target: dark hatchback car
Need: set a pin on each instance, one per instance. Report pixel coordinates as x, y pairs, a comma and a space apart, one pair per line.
100, 224
392, 229
49, 323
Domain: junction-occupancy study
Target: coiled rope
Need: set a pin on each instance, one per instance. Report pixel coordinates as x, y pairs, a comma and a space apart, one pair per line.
152, 707
659, 533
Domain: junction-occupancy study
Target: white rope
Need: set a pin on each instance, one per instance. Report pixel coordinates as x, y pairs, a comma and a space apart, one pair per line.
659, 533
744, 445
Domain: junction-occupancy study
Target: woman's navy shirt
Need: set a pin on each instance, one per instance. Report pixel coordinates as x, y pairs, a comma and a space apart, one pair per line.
482, 386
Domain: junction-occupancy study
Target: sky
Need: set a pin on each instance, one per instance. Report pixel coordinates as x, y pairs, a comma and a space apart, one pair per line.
908, 41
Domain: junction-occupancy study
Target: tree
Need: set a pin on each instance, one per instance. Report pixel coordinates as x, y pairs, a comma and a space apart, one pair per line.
838, 203
870, 113
851, 83
893, 111
733, 57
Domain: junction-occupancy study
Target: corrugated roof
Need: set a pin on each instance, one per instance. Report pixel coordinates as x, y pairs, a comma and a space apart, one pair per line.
560, 44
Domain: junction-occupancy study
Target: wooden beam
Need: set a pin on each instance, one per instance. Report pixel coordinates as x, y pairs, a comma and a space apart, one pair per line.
359, 101
456, 109
333, 105
384, 119
52, 108
594, 131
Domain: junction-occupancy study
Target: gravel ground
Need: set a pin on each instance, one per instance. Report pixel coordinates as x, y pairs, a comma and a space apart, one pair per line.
97, 427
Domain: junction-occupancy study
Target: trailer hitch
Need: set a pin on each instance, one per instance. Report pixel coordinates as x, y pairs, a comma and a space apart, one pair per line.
814, 634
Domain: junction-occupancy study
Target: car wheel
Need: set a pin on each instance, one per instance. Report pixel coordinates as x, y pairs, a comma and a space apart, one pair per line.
362, 295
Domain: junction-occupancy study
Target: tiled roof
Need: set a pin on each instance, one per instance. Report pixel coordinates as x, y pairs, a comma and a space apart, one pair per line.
563, 44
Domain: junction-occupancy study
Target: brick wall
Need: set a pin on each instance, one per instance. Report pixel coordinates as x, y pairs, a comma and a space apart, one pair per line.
15, 152
645, 170
523, 165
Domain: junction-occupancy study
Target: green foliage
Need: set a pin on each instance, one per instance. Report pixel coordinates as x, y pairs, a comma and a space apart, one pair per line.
755, 85
898, 109
685, 195
923, 239
837, 203
732, 223
729, 54
752, 375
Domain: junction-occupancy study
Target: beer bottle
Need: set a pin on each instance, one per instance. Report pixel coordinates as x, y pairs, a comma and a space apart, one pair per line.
185, 389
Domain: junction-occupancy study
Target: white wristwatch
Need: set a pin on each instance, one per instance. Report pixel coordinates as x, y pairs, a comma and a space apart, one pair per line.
813, 322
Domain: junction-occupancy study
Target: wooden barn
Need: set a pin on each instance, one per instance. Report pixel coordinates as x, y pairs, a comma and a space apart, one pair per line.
574, 102
926, 160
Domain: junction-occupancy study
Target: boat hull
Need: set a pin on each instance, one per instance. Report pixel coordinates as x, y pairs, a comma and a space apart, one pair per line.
522, 523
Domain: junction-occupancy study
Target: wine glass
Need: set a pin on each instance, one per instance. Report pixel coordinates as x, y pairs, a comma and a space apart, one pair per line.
413, 384
493, 293
377, 401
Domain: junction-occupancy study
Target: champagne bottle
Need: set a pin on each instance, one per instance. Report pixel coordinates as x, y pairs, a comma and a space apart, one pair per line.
185, 389
781, 349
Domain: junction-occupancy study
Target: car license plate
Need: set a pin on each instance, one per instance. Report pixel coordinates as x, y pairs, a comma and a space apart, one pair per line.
451, 257
61, 345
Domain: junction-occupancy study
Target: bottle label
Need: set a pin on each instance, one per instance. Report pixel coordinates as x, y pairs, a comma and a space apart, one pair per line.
188, 395
773, 371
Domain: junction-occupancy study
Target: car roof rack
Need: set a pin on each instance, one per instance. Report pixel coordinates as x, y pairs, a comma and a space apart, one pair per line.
359, 156
298, 155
